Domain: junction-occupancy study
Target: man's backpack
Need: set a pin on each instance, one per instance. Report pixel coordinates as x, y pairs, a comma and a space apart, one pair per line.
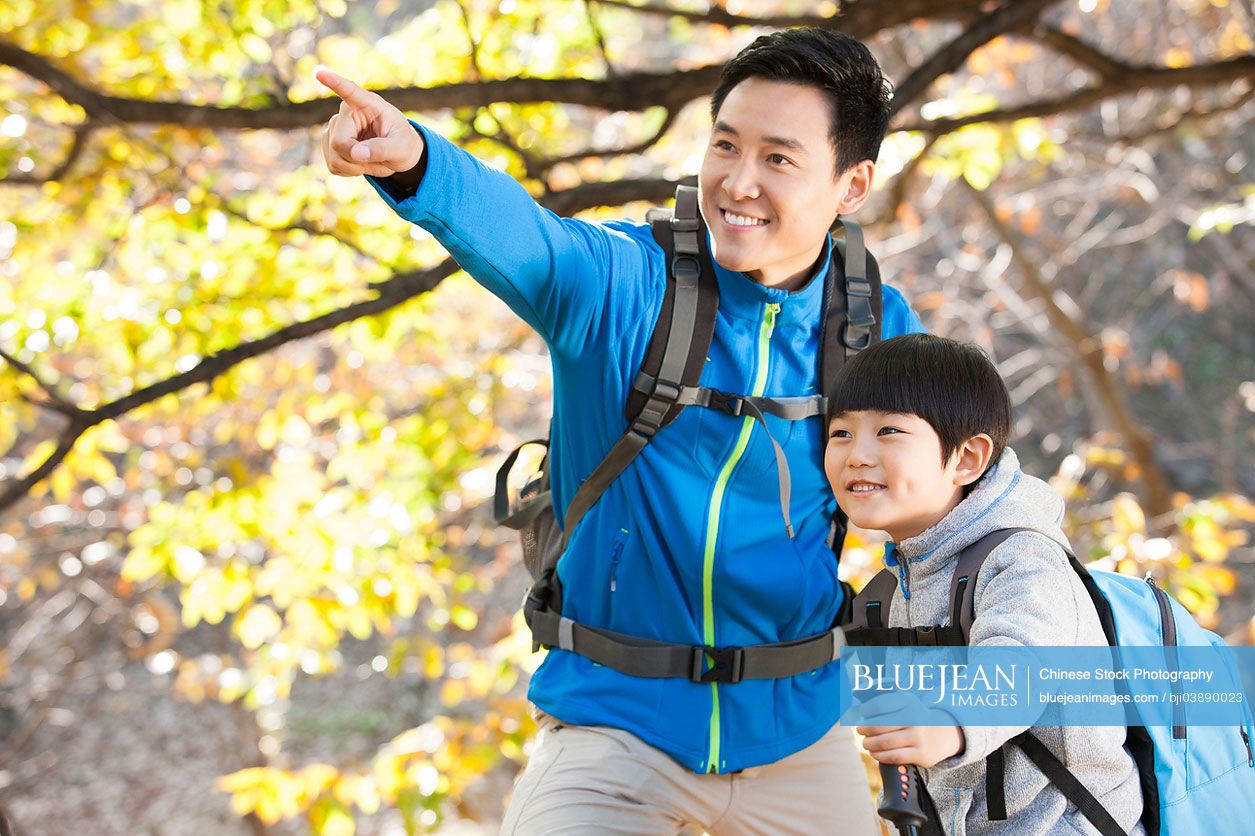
1195, 779
668, 383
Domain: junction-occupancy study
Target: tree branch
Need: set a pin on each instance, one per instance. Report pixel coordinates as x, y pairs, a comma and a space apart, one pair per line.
609, 193
18, 488
56, 400
81, 135
856, 19
1137, 78
951, 57
636, 91
600, 39
638, 148
1079, 51
391, 293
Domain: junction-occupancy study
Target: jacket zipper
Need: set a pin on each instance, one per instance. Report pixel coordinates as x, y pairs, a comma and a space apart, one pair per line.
904, 578
1246, 738
615, 555
712, 520
1169, 628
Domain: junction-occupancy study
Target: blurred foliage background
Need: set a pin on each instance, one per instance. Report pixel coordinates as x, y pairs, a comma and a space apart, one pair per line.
249, 418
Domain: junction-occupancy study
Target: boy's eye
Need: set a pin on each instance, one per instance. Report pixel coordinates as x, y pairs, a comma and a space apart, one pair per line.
840, 434
888, 430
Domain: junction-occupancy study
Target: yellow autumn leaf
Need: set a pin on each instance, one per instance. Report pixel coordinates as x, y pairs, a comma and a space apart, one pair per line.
257, 625
316, 778
1127, 514
142, 563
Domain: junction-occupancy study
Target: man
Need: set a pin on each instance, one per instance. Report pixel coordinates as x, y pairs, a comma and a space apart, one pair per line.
686, 546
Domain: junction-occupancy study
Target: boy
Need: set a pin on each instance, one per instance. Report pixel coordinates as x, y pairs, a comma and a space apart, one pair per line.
686, 547
917, 449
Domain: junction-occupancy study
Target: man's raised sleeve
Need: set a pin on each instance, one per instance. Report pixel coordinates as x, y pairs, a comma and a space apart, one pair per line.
565, 277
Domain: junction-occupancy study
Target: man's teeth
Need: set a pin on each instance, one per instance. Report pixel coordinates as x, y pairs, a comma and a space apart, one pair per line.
742, 220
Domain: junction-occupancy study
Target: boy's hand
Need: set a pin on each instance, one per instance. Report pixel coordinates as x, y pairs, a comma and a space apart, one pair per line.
897, 743
368, 135
920, 745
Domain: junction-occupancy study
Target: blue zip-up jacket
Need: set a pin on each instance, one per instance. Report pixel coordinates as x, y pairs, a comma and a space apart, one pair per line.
687, 545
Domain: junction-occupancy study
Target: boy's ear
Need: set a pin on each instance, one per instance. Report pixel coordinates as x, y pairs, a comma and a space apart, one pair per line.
973, 459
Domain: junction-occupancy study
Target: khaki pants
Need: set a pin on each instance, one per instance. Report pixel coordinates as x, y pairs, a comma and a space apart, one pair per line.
587, 780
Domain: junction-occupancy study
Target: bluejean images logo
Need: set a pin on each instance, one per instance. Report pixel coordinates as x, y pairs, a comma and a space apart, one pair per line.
953, 685
1056, 686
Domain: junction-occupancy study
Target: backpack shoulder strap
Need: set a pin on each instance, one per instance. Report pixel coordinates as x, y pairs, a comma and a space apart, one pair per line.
963, 583
1067, 783
685, 326
972, 558
684, 329
871, 605
856, 271
852, 318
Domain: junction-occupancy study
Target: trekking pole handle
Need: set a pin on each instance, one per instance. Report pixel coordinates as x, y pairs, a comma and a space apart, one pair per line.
901, 806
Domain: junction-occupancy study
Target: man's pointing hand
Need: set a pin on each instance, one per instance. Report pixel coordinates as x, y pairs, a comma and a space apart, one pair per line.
368, 135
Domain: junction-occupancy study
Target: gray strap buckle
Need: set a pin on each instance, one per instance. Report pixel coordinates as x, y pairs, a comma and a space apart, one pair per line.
727, 665
725, 402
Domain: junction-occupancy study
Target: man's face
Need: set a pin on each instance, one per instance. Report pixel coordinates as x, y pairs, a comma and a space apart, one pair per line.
768, 187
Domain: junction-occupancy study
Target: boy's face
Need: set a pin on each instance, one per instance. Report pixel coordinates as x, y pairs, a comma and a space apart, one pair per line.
886, 471
768, 187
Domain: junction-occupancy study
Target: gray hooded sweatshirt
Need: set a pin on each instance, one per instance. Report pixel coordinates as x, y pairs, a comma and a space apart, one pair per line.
1026, 594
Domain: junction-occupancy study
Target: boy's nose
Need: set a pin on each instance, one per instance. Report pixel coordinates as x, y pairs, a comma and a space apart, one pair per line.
860, 455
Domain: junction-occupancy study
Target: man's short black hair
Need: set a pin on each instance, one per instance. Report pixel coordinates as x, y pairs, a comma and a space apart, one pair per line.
951, 385
842, 68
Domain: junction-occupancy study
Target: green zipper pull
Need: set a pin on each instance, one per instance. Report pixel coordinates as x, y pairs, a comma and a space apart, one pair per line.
770, 319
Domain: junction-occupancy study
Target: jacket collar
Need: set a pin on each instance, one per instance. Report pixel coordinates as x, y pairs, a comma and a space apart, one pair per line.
743, 298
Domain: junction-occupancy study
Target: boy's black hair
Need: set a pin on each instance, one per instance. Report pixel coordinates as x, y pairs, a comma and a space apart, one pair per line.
842, 68
951, 385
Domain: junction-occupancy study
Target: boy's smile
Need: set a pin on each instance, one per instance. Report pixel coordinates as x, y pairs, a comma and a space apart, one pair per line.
887, 473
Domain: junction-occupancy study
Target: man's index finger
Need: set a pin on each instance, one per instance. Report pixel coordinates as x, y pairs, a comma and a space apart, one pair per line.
347, 90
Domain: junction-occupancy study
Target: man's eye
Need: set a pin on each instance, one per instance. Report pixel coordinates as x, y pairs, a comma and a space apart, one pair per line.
778, 159
724, 145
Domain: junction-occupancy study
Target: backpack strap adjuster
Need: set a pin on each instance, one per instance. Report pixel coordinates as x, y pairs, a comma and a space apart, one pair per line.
686, 267
858, 287
726, 665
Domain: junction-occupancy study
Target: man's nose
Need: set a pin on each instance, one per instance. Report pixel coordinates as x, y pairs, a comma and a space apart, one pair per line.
742, 181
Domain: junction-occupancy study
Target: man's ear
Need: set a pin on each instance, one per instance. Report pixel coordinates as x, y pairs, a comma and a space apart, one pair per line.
973, 458
856, 185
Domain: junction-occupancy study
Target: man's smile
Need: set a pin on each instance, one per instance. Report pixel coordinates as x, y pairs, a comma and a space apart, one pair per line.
743, 221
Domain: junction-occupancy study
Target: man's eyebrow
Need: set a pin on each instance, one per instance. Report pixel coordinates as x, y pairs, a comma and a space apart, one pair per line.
787, 142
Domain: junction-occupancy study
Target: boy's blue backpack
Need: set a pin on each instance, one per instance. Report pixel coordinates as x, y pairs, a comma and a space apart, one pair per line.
1195, 779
